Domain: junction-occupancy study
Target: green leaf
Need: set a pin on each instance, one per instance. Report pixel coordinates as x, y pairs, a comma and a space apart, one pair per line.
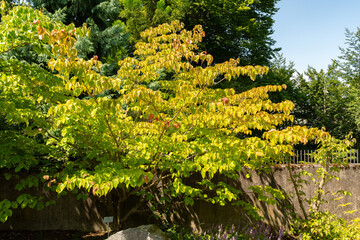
14, 205
8, 176
189, 201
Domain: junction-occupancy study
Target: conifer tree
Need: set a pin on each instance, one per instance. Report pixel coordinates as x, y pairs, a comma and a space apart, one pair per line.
108, 39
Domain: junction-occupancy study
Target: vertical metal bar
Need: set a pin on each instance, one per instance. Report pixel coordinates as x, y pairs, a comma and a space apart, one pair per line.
314, 152
293, 157
297, 159
303, 156
297, 156
308, 159
355, 156
312, 156
347, 157
350, 160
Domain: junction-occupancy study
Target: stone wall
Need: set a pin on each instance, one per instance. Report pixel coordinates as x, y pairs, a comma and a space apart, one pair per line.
86, 215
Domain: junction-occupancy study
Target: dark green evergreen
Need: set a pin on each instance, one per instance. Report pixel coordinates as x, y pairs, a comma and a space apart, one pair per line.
108, 39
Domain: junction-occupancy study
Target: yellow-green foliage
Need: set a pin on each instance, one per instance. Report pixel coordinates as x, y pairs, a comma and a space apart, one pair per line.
145, 136
327, 226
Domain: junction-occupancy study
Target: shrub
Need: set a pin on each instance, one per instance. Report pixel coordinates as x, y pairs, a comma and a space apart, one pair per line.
259, 231
324, 225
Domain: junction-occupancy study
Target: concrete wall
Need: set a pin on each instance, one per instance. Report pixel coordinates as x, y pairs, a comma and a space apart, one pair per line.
86, 215
67, 214
278, 215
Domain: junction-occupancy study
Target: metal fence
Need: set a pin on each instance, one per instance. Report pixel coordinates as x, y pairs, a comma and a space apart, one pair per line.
307, 156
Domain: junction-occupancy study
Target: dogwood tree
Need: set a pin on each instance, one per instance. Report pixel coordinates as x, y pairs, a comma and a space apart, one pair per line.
159, 129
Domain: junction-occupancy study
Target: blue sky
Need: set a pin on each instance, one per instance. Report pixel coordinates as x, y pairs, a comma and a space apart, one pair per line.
310, 32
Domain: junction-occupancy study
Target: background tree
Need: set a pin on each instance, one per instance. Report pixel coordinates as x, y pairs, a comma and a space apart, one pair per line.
281, 72
108, 39
348, 63
234, 29
326, 100
348, 69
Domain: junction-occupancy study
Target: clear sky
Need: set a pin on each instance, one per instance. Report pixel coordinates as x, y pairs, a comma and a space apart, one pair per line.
310, 32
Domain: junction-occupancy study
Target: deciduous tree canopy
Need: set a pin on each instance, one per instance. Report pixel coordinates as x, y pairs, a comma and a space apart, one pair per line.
155, 130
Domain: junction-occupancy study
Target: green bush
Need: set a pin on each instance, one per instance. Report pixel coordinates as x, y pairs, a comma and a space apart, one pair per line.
324, 225
259, 231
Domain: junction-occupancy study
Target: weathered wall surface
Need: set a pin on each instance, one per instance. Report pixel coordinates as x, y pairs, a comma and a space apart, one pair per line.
67, 214
86, 215
278, 215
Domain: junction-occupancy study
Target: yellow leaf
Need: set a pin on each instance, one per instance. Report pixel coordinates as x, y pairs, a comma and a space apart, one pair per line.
259, 154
